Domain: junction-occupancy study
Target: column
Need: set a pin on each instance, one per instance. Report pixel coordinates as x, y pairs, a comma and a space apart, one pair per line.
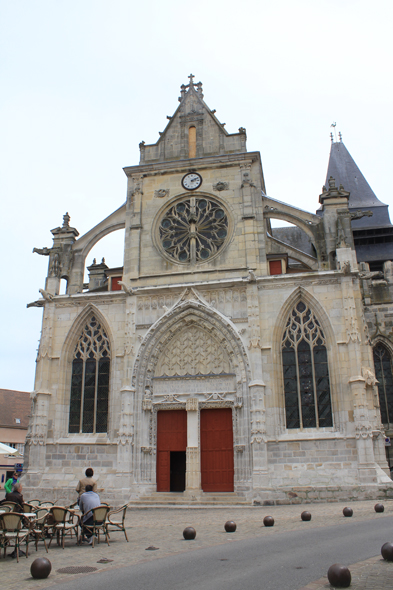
193, 456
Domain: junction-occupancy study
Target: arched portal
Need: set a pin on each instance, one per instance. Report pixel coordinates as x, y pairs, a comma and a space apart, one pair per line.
193, 359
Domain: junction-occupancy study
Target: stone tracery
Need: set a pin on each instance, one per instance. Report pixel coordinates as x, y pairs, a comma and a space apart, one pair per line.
193, 352
193, 230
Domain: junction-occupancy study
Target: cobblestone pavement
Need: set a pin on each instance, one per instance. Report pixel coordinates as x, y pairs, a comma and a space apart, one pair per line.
162, 528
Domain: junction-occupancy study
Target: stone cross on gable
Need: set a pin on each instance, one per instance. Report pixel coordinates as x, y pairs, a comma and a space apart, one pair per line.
191, 76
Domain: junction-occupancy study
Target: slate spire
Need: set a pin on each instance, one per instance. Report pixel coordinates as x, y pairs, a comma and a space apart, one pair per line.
343, 168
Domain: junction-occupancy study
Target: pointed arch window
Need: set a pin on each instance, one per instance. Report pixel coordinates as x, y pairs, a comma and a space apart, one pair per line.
306, 372
383, 373
90, 380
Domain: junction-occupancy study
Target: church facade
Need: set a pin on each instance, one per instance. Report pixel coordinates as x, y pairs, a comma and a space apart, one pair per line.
224, 359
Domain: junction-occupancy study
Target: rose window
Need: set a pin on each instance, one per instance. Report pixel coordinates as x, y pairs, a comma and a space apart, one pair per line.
193, 230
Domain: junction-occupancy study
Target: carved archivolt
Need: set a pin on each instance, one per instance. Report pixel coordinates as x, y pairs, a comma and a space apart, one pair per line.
190, 317
193, 352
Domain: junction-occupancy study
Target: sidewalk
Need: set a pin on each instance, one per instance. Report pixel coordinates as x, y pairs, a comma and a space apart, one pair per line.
371, 574
162, 528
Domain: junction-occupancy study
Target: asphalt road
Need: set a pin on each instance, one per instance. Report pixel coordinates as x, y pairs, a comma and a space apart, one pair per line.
285, 561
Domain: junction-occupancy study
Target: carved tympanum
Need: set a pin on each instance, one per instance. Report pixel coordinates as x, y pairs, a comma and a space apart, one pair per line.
193, 352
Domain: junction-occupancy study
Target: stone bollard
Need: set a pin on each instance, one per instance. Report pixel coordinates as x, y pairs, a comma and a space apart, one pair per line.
387, 551
339, 576
305, 515
189, 533
40, 568
230, 526
268, 521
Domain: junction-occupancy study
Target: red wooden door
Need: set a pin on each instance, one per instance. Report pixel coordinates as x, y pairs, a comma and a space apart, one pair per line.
171, 436
217, 450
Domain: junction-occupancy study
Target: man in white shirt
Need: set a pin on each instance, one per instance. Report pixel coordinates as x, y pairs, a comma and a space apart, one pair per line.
87, 502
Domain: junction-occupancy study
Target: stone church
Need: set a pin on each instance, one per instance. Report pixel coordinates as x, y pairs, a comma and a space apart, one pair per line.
226, 360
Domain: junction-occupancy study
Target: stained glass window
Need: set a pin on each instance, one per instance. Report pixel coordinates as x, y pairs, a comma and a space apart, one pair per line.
383, 373
305, 370
90, 380
193, 230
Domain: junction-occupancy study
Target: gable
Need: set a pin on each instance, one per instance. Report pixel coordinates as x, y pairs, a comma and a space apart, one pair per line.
211, 136
14, 405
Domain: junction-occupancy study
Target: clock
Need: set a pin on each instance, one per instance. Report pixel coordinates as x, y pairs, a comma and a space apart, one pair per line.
191, 181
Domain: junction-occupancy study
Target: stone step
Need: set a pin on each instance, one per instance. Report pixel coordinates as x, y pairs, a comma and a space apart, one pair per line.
201, 499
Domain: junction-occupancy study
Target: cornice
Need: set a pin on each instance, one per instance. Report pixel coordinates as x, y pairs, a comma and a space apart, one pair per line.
179, 166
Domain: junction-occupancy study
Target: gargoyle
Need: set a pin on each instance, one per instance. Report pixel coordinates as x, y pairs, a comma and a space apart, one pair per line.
38, 303
376, 274
43, 251
126, 288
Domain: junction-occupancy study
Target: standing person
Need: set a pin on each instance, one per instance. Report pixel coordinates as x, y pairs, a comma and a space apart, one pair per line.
86, 481
11, 482
87, 501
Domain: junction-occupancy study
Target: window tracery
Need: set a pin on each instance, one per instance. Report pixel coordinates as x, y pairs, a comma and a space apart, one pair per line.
90, 380
384, 376
306, 372
193, 230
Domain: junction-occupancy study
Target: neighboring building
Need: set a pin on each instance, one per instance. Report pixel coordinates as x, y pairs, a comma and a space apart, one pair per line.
234, 359
15, 410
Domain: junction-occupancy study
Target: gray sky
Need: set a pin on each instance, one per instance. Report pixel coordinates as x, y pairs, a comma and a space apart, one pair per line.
84, 81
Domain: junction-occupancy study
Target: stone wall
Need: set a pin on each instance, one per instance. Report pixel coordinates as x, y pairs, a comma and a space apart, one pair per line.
65, 464
313, 462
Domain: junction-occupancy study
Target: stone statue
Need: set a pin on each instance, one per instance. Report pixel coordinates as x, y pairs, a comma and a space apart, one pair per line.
55, 267
251, 277
47, 296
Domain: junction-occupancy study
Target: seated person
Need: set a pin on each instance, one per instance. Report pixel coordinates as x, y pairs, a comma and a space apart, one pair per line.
87, 501
11, 482
86, 481
16, 496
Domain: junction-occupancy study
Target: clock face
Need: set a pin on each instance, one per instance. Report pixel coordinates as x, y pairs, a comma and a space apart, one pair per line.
192, 181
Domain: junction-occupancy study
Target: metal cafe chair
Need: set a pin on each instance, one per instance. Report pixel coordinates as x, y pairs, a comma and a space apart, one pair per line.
116, 525
63, 523
27, 507
12, 533
11, 505
34, 502
39, 527
100, 523
46, 504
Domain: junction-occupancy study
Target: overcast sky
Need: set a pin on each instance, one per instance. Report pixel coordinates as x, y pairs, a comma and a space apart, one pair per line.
84, 81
